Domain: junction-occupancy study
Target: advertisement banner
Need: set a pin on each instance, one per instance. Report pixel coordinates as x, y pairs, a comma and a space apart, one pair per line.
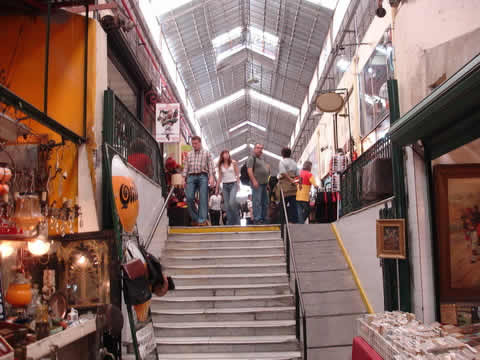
167, 122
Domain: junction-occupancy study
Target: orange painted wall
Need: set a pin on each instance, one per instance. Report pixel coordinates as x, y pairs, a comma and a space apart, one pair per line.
22, 56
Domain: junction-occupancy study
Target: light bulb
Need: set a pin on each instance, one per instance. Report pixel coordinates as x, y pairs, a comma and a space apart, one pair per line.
38, 247
6, 250
82, 260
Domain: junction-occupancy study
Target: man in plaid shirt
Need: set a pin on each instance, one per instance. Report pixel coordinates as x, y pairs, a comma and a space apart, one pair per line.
199, 173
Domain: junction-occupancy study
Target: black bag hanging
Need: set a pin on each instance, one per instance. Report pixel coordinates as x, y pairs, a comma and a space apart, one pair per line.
154, 267
135, 283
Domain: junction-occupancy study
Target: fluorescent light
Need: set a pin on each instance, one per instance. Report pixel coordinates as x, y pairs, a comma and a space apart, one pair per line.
243, 159
227, 37
164, 6
217, 104
259, 127
232, 51
329, 4
274, 102
238, 149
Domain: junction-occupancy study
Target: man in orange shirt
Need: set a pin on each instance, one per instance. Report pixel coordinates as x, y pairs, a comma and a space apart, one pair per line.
303, 192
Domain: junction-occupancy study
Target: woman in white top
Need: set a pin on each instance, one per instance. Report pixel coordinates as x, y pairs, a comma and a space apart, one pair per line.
229, 176
287, 173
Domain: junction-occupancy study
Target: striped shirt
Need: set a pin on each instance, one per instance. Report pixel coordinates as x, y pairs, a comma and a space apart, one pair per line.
199, 162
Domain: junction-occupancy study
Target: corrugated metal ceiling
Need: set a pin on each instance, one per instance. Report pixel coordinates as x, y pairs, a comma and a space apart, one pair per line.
301, 28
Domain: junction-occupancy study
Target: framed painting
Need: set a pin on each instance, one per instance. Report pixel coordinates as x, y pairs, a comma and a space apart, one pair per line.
457, 215
391, 239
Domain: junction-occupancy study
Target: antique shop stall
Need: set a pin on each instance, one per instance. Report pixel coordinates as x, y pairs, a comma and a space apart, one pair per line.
444, 129
53, 279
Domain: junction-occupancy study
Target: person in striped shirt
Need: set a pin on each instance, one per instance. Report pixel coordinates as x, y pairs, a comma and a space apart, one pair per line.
199, 174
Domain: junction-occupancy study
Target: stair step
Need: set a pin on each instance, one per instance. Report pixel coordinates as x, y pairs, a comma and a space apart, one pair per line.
227, 343
218, 251
235, 356
215, 269
207, 302
227, 314
224, 328
224, 259
230, 290
205, 279
220, 243
257, 236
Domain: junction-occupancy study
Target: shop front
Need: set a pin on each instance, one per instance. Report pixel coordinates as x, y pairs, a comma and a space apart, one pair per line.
444, 130
55, 265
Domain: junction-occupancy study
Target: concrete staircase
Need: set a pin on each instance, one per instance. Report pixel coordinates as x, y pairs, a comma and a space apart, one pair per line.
232, 299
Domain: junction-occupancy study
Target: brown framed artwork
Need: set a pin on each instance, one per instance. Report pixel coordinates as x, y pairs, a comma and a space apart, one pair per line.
457, 215
391, 239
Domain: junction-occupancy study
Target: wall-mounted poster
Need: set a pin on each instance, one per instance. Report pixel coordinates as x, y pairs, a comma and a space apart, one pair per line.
167, 123
457, 200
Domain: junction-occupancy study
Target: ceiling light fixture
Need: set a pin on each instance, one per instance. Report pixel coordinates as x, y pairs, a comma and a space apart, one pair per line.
274, 102
243, 159
218, 104
227, 37
242, 124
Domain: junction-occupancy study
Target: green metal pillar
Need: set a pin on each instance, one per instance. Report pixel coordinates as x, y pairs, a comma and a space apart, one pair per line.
396, 273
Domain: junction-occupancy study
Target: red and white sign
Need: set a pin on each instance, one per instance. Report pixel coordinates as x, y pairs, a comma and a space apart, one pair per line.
167, 123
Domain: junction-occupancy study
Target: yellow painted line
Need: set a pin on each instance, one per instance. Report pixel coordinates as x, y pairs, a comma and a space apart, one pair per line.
220, 229
352, 269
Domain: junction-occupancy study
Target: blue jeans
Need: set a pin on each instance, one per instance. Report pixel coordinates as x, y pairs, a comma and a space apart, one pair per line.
292, 212
230, 201
260, 203
197, 183
303, 209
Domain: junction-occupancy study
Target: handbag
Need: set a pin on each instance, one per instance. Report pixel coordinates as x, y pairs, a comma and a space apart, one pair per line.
154, 267
135, 282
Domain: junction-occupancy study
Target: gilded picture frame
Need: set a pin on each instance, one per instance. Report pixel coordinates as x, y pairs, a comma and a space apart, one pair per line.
391, 239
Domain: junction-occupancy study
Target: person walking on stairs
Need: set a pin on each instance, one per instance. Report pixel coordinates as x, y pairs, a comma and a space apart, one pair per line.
303, 193
258, 171
215, 208
287, 173
229, 177
199, 174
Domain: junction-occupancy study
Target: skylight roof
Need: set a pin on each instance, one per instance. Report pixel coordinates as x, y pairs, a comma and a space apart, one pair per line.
329, 4
259, 127
261, 42
227, 37
274, 102
164, 6
268, 153
256, 95
232, 51
217, 104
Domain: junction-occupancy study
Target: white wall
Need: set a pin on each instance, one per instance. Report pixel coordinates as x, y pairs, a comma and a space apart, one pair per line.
421, 25
358, 232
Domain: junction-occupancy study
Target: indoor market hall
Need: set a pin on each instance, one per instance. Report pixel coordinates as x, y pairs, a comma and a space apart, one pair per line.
240, 180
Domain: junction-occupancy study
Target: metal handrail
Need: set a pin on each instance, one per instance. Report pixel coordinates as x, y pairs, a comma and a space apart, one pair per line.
299, 303
159, 218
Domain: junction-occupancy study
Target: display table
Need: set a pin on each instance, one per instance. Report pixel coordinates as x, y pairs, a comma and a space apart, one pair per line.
361, 350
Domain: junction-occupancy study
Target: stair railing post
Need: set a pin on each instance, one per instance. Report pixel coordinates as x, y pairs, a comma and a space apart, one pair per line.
305, 347
288, 252
297, 310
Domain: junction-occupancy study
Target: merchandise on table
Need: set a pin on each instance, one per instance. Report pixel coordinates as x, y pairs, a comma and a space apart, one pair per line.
399, 336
